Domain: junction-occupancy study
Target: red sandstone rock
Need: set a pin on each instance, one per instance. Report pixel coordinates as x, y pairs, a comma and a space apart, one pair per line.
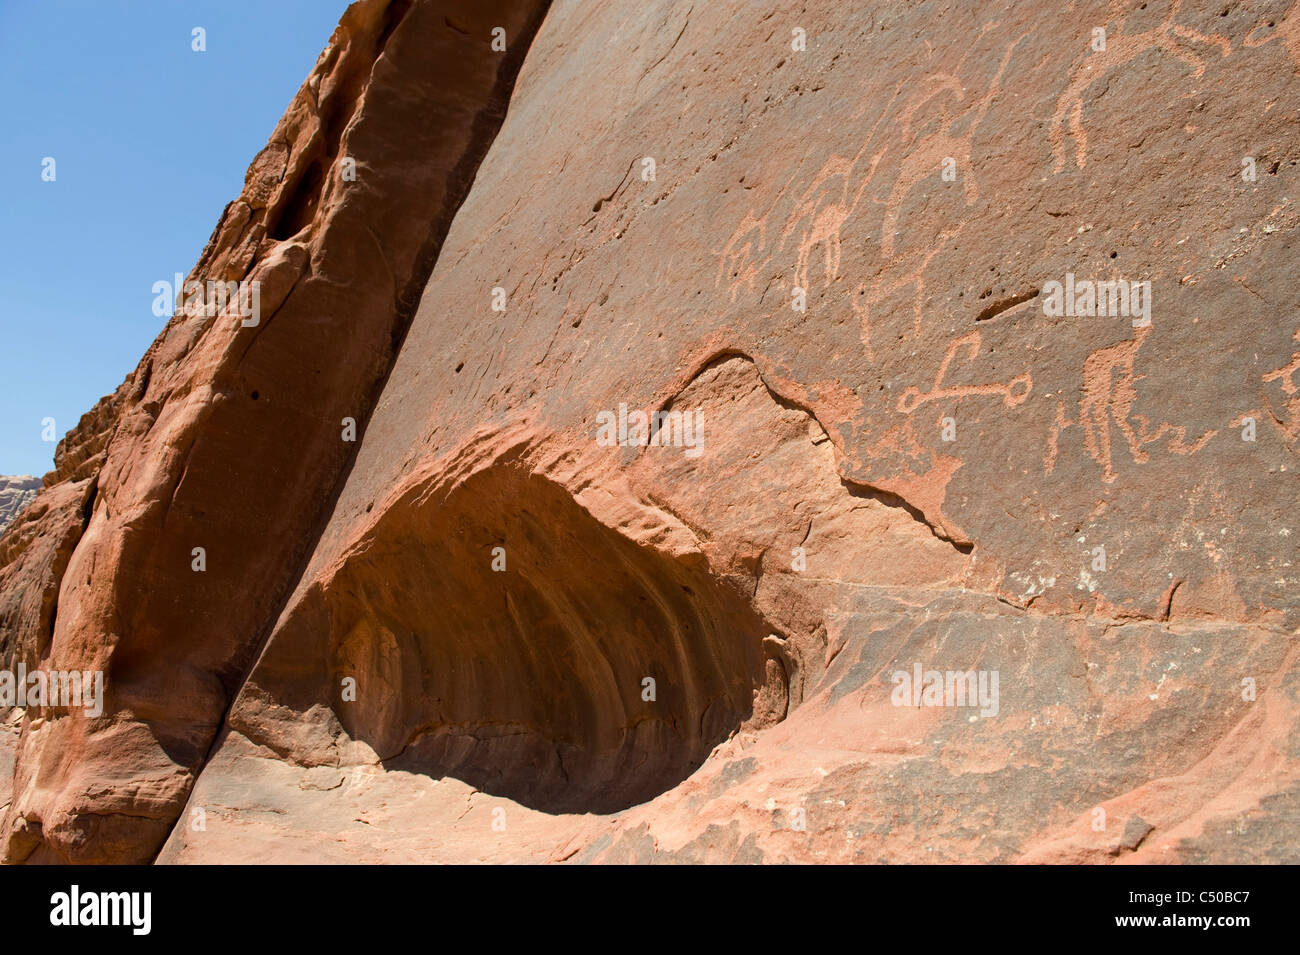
232, 439
916, 470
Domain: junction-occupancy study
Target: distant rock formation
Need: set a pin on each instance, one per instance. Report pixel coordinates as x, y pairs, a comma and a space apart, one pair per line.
15, 494
859, 434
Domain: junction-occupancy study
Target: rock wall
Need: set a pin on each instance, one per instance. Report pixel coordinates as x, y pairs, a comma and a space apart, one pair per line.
229, 438
829, 237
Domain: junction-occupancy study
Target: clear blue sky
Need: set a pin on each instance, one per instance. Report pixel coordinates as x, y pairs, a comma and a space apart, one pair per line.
150, 140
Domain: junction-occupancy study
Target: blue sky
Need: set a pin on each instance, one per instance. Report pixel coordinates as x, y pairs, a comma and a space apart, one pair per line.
150, 141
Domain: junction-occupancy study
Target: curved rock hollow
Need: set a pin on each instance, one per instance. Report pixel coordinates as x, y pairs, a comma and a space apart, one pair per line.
496, 631
530, 680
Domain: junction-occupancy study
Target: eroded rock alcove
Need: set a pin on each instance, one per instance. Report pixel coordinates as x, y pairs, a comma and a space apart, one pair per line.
523, 670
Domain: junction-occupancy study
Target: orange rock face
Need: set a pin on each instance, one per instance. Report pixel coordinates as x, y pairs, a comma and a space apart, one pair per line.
229, 437
781, 436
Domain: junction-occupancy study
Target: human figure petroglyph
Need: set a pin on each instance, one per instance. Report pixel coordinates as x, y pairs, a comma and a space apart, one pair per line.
924, 158
1013, 392
1109, 393
1059, 424
1095, 65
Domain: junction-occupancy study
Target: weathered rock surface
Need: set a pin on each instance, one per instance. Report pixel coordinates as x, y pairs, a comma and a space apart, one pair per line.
229, 438
15, 494
922, 468
36, 546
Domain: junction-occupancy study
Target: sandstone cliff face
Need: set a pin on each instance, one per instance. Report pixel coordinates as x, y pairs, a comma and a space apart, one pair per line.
438, 647
15, 494
229, 438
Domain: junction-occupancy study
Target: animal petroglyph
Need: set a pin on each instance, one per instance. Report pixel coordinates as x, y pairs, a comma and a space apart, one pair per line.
827, 204
910, 271
1109, 393
1013, 392
925, 156
1286, 379
1121, 48
740, 263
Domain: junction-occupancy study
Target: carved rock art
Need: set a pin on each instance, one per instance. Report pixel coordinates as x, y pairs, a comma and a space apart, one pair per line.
1109, 396
480, 611
1012, 392
1092, 67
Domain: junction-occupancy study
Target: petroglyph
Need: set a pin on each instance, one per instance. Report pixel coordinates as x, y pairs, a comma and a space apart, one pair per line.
925, 156
1094, 66
1013, 392
1287, 30
1109, 393
910, 271
740, 263
1053, 438
1286, 379
826, 205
